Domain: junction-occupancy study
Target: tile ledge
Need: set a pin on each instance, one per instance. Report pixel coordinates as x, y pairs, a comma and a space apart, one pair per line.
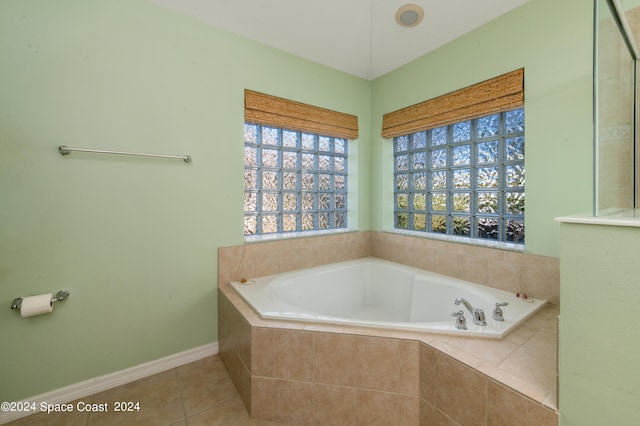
629, 218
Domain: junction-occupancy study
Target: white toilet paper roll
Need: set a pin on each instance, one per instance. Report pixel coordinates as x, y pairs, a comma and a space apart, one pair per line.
36, 305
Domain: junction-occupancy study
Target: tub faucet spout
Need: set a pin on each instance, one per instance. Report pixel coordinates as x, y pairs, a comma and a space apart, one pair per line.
477, 313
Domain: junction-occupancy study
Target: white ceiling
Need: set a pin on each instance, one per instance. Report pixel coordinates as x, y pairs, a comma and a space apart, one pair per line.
359, 37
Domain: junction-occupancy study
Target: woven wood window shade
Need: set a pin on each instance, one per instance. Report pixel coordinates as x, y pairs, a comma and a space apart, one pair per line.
260, 108
498, 94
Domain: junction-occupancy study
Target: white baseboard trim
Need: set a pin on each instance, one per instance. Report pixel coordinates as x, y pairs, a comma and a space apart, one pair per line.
112, 380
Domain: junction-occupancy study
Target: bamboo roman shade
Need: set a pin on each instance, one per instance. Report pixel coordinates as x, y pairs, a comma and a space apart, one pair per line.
260, 108
498, 94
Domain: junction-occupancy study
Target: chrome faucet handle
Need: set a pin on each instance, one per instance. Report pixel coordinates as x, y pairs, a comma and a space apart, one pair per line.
461, 321
497, 311
478, 317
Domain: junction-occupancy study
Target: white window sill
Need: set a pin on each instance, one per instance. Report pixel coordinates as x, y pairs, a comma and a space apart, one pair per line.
463, 240
290, 235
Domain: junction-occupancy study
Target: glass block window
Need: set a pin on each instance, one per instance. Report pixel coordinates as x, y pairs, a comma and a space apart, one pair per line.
293, 181
465, 179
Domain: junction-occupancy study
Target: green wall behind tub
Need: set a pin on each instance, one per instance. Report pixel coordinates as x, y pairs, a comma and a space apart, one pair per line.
134, 240
552, 40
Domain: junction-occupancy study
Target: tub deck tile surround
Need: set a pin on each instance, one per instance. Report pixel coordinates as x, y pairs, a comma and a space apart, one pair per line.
537, 276
507, 381
273, 257
355, 370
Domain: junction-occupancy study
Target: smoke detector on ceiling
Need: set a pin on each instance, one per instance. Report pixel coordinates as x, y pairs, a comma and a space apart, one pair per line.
409, 15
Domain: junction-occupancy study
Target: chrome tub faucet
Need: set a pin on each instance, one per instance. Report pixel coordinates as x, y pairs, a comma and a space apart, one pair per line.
461, 322
497, 311
477, 313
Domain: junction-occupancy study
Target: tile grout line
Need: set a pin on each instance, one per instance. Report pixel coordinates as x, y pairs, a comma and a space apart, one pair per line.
314, 381
184, 411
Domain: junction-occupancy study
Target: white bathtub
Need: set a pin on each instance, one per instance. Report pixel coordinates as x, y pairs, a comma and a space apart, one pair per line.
373, 292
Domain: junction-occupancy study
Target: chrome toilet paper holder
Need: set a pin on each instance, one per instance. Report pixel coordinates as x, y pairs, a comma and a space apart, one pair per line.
59, 297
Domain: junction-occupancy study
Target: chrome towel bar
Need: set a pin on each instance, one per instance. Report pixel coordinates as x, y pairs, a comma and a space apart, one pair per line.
66, 150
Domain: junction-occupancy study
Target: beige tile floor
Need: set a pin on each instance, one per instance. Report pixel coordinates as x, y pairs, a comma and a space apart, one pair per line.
199, 393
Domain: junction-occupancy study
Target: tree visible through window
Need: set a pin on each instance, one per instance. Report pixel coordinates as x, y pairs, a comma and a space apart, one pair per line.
464, 179
294, 181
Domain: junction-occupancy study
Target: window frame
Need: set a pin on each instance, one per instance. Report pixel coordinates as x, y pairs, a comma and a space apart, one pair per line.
336, 193
502, 188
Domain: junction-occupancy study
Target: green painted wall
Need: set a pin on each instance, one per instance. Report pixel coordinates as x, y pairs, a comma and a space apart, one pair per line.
134, 240
599, 337
552, 40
